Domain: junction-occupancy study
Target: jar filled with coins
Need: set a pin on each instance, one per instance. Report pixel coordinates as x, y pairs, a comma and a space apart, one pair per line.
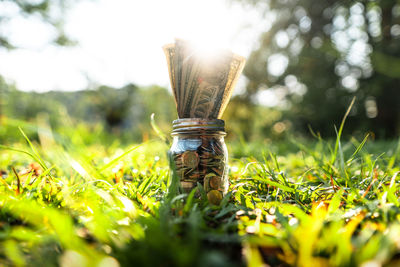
199, 155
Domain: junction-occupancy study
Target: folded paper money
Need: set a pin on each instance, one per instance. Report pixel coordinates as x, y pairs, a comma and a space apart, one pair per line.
202, 86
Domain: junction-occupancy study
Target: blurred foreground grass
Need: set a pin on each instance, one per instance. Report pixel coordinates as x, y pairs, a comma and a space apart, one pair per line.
70, 198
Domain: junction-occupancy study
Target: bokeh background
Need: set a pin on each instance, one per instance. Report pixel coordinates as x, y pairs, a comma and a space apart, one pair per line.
98, 66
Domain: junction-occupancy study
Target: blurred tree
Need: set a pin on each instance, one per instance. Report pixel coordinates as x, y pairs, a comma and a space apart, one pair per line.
315, 55
113, 106
50, 11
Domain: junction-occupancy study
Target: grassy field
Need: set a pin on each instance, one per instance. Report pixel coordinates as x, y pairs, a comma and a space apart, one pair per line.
70, 198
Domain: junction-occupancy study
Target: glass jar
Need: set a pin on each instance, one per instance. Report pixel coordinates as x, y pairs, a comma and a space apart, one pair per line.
199, 155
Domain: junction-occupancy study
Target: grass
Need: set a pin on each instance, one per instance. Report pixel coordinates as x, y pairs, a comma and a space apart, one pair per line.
68, 200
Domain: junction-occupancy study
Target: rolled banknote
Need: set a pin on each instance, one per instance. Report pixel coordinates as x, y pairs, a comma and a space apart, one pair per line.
202, 86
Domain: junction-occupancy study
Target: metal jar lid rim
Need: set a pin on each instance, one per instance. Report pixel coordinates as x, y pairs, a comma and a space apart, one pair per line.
198, 124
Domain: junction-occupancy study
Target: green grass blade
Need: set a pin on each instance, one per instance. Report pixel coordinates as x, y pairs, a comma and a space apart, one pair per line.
360, 146
33, 156
40, 160
339, 133
158, 130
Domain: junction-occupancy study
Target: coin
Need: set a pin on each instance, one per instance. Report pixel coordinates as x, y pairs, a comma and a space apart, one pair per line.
214, 182
190, 159
214, 197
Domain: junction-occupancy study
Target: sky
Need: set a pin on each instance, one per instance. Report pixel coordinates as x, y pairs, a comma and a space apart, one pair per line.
120, 41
